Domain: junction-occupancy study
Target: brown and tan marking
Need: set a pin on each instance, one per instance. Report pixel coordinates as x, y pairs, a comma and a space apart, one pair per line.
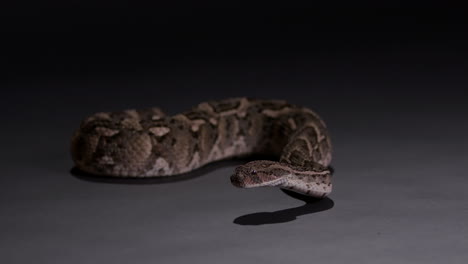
146, 143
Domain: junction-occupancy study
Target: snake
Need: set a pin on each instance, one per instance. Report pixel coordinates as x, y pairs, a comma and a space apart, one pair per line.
149, 143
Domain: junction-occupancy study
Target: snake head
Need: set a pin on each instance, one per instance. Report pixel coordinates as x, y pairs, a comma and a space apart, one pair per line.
259, 173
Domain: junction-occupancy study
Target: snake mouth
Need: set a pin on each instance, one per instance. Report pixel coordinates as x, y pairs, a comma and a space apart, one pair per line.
240, 182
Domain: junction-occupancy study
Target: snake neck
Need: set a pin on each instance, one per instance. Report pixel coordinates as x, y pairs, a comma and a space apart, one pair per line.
316, 184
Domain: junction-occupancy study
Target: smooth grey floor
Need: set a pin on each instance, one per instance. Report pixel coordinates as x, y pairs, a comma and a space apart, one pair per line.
400, 183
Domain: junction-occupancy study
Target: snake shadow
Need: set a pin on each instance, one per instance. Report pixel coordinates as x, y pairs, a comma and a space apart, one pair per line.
206, 169
312, 205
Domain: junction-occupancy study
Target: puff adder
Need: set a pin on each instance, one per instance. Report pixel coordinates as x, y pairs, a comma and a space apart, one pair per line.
147, 143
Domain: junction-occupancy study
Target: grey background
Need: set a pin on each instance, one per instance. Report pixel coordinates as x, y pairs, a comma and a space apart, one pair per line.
390, 86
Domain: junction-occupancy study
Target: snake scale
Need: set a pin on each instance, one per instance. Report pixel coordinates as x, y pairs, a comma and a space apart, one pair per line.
148, 143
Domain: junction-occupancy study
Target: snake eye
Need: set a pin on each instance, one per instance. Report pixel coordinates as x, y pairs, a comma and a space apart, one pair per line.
253, 172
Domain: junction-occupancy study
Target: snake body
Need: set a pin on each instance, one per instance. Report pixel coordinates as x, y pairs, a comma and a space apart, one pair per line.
148, 143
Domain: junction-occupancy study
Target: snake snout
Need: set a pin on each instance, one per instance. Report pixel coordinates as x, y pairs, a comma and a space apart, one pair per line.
237, 179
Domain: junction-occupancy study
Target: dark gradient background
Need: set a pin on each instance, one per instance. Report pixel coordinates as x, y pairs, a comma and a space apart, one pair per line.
390, 83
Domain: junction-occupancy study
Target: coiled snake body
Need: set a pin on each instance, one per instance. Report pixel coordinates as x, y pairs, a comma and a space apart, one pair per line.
146, 143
